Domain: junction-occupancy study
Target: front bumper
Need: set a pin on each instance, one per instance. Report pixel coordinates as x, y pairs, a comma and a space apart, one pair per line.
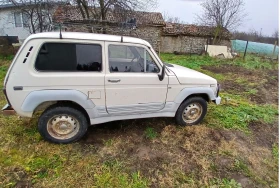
8, 110
218, 100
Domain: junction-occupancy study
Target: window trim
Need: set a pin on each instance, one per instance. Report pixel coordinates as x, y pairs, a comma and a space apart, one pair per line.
131, 44
68, 42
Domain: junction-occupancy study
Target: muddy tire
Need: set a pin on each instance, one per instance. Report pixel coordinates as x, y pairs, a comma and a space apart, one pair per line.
191, 112
62, 124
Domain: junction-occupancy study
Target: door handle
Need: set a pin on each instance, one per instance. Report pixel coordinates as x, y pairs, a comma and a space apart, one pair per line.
114, 80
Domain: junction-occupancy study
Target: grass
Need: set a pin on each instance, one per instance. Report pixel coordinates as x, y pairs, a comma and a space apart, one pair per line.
8, 58
193, 62
275, 151
156, 152
196, 62
225, 183
236, 112
240, 166
150, 133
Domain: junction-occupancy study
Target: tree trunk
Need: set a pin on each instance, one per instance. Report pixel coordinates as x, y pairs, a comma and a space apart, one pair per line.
81, 9
103, 15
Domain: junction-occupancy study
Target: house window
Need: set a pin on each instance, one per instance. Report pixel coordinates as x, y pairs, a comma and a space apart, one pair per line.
21, 19
18, 19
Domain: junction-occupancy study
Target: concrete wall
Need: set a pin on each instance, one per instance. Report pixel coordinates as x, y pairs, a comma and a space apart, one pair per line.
220, 51
186, 44
7, 25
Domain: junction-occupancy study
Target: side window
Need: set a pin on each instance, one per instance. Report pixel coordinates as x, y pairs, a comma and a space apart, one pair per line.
130, 59
120, 51
69, 57
151, 66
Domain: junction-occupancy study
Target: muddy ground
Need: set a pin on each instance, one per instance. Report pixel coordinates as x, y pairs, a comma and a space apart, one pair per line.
190, 156
237, 79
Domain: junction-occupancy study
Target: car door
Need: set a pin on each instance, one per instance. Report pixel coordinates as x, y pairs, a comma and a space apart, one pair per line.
131, 81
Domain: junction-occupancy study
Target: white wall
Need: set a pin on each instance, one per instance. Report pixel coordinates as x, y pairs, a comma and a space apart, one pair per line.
215, 50
7, 25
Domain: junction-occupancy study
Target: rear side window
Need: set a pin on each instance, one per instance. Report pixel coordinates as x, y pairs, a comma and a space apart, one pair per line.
69, 57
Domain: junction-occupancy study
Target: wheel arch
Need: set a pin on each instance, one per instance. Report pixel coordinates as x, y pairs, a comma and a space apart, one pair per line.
202, 95
42, 99
46, 105
205, 93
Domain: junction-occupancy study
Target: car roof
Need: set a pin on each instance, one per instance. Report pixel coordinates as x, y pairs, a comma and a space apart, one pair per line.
87, 36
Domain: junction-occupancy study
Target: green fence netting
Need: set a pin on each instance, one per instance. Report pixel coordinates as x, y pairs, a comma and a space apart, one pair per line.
254, 47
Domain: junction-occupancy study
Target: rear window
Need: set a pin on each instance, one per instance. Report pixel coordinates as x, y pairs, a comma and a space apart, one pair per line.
69, 57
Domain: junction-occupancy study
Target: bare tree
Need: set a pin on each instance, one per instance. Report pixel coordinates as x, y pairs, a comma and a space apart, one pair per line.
255, 36
171, 19
98, 9
36, 14
276, 34
226, 14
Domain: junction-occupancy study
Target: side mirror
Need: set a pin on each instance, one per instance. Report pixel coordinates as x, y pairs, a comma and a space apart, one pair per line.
162, 73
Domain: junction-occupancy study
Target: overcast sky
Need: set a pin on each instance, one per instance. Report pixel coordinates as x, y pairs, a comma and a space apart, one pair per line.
262, 14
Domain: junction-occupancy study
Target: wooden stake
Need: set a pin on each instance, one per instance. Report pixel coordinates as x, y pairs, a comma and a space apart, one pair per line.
245, 50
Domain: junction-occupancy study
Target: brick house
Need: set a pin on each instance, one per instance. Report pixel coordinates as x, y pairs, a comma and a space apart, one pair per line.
150, 26
191, 39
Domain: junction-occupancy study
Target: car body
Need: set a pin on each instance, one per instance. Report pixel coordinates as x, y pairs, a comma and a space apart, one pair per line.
104, 77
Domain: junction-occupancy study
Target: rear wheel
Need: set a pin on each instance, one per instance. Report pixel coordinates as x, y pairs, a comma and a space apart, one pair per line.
192, 111
62, 124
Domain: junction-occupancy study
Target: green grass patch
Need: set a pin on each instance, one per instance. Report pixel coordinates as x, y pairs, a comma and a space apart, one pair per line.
224, 183
150, 133
275, 151
193, 62
3, 71
255, 62
111, 176
240, 166
7, 58
236, 112
196, 61
251, 91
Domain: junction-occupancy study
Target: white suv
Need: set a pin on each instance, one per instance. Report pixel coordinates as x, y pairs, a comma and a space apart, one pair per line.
81, 79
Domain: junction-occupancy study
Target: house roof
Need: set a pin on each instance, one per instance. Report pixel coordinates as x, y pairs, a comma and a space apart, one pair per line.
71, 13
10, 5
194, 30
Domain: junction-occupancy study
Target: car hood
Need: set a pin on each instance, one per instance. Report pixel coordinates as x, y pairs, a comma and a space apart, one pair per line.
189, 76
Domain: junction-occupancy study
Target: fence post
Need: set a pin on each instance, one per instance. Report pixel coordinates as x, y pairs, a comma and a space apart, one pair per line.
245, 50
275, 44
207, 45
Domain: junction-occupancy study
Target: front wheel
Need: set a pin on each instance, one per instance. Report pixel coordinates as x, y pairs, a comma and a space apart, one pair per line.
62, 124
192, 111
